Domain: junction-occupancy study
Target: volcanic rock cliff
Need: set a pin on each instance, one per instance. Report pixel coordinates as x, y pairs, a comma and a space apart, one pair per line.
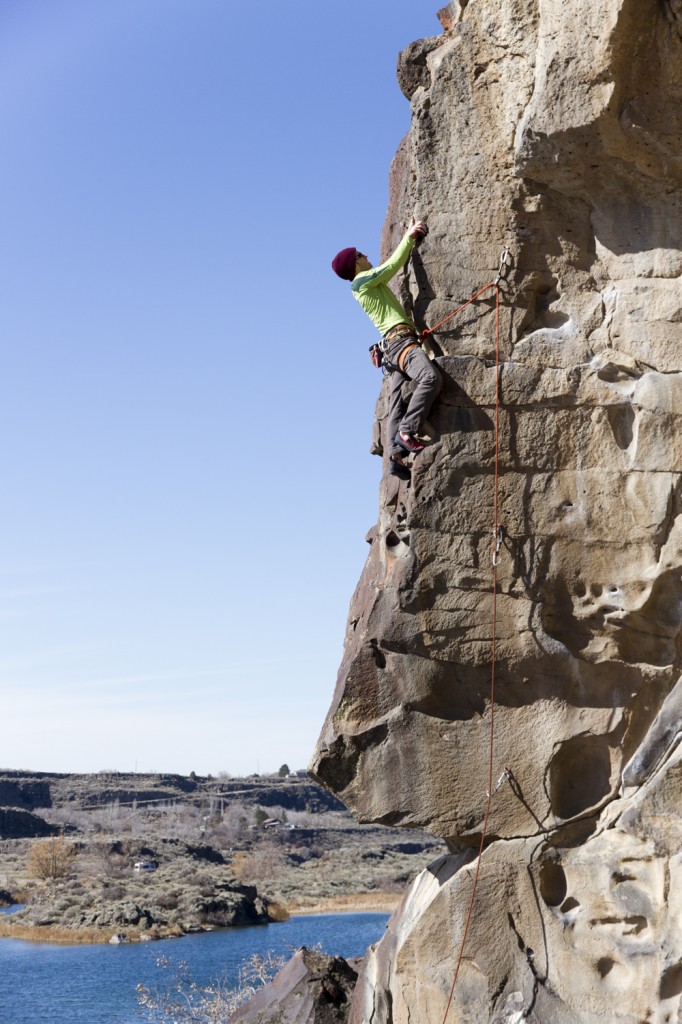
555, 129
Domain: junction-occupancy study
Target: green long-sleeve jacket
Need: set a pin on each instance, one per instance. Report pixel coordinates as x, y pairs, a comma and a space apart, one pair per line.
371, 290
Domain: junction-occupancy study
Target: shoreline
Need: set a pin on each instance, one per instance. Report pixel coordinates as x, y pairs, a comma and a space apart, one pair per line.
357, 903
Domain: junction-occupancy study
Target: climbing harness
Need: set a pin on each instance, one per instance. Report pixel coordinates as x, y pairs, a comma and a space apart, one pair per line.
498, 537
398, 333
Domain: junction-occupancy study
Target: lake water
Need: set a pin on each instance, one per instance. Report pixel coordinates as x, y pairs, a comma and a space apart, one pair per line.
45, 984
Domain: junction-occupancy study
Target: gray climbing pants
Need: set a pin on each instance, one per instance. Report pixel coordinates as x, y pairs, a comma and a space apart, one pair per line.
408, 416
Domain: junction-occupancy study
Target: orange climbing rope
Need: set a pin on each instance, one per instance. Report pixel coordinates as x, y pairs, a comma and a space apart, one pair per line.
485, 288
497, 541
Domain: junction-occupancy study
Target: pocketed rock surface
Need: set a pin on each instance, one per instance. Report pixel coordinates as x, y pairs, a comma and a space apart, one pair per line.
554, 129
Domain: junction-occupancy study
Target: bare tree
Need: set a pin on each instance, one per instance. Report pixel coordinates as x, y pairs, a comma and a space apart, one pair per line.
52, 859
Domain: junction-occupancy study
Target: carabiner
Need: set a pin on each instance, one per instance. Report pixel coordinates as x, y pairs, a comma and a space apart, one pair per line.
497, 534
504, 266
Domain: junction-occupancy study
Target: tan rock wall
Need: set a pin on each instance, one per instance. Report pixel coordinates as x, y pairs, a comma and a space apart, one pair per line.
555, 129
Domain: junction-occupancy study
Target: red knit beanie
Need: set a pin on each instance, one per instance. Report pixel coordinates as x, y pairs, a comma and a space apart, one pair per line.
343, 263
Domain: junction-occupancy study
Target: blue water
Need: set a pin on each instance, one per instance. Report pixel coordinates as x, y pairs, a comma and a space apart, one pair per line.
44, 984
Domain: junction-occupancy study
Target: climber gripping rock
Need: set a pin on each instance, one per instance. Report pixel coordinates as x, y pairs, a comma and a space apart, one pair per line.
400, 347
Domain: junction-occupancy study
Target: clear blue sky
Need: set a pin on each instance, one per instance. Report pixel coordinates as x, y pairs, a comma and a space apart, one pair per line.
187, 398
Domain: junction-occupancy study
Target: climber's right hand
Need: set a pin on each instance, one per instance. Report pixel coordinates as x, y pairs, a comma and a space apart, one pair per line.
417, 229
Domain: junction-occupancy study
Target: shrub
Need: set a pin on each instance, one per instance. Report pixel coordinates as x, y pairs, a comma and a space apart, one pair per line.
182, 1000
52, 859
265, 862
114, 892
168, 901
277, 912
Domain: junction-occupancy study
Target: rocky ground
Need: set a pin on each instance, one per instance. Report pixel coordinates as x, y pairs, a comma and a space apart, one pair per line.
211, 852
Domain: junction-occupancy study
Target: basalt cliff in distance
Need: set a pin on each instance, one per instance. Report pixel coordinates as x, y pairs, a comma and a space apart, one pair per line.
556, 129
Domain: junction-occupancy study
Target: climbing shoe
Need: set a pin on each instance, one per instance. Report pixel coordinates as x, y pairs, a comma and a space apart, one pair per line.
409, 442
397, 467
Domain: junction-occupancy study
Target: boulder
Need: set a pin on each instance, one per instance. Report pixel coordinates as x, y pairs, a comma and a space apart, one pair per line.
126, 912
225, 908
312, 988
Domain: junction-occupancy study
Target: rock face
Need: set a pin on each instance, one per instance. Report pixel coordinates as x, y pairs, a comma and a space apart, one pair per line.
25, 794
554, 129
15, 824
311, 989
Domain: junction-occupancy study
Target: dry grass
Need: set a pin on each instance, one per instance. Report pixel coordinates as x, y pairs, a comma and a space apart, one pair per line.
278, 912
58, 935
54, 933
354, 903
265, 862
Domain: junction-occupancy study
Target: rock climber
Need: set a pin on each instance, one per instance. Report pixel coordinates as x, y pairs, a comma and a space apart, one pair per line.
401, 351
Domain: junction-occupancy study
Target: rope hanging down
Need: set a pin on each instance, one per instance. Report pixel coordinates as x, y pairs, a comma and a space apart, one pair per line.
497, 543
